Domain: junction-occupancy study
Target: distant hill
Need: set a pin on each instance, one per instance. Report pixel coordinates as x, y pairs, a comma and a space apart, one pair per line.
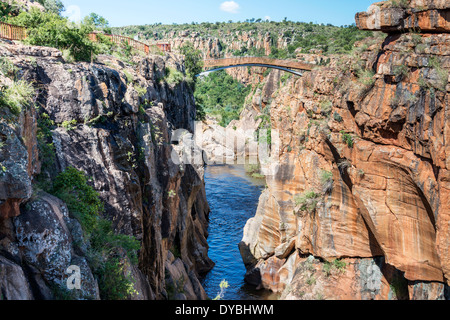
253, 37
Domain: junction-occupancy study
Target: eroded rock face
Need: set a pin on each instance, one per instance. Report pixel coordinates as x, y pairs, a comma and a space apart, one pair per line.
362, 177
44, 237
423, 15
45, 242
115, 123
215, 48
13, 283
15, 181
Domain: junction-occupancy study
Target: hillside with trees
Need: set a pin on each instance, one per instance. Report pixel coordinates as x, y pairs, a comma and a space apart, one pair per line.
285, 37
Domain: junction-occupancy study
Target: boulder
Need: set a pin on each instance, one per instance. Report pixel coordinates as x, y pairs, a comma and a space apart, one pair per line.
13, 282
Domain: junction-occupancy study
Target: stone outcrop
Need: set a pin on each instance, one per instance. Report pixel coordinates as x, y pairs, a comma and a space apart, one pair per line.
13, 282
418, 15
114, 122
226, 44
44, 238
358, 206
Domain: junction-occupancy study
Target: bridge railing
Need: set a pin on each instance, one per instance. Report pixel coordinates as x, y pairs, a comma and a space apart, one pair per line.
236, 57
12, 32
256, 60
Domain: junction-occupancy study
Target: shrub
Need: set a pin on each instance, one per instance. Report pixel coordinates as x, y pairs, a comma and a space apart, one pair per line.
7, 68
442, 74
16, 96
113, 282
311, 280
340, 265
193, 60
285, 77
416, 38
307, 201
47, 154
69, 125
337, 117
348, 139
105, 45
142, 91
107, 259
173, 76
106, 247
325, 107
129, 77
326, 180
254, 171
337, 265
82, 200
366, 77
398, 3
401, 71
51, 30
8, 9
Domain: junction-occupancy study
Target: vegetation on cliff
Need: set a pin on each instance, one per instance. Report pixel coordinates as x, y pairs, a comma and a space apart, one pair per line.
17, 95
106, 250
219, 94
49, 28
192, 60
298, 35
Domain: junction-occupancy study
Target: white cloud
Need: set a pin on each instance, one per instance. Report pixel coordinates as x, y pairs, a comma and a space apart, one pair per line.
230, 6
267, 18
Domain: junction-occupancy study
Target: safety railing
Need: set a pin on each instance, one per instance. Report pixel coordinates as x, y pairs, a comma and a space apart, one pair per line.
12, 32
121, 40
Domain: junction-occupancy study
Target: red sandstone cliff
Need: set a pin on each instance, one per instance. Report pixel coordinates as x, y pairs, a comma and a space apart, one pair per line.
359, 208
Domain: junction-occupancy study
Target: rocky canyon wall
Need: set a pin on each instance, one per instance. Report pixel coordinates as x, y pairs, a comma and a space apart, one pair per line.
113, 122
358, 208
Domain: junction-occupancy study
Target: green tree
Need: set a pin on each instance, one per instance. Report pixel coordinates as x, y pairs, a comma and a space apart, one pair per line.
55, 6
51, 30
221, 95
192, 59
98, 22
7, 10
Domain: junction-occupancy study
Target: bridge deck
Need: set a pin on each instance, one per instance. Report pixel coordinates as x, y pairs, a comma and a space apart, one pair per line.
236, 61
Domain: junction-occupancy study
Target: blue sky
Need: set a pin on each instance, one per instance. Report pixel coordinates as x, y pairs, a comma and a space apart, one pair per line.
139, 12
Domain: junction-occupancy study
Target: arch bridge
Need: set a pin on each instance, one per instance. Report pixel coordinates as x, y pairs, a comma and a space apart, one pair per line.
294, 67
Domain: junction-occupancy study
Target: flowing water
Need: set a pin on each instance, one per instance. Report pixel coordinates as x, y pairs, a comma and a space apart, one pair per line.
233, 197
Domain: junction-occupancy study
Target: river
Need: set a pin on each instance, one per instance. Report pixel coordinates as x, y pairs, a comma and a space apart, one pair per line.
233, 197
